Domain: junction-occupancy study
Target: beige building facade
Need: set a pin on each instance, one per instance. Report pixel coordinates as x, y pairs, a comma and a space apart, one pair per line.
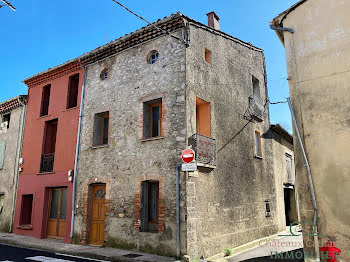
12, 113
316, 37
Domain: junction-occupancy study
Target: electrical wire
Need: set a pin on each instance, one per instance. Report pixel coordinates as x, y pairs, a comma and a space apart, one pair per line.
160, 29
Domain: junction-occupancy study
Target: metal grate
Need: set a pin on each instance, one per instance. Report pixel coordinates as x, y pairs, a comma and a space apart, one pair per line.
47, 163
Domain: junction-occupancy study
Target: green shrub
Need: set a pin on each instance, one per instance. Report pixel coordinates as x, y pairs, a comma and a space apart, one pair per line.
228, 252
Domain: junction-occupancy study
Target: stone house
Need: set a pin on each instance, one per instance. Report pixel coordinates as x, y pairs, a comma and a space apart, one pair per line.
12, 115
148, 96
316, 37
287, 199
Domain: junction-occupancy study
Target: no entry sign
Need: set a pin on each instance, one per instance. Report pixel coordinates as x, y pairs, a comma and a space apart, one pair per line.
188, 155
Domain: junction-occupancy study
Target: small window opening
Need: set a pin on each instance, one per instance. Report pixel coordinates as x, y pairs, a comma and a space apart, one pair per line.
152, 57
73, 88
152, 118
203, 123
207, 55
6, 119
45, 100
2, 198
104, 74
256, 87
101, 129
267, 208
258, 152
149, 206
289, 167
26, 211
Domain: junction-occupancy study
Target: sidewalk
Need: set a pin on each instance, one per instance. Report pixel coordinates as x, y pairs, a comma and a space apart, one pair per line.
94, 252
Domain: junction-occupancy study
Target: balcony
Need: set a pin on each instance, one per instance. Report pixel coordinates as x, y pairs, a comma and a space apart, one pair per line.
256, 108
205, 149
47, 161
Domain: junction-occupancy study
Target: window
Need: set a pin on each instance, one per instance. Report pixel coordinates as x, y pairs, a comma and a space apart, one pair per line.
152, 118
6, 119
104, 74
267, 208
101, 129
256, 87
26, 211
289, 167
73, 88
203, 124
49, 146
2, 197
149, 206
45, 100
152, 57
207, 55
2, 153
258, 152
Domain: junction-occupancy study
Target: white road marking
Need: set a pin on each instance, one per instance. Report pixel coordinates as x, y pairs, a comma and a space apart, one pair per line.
47, 259
7, 261
87, 258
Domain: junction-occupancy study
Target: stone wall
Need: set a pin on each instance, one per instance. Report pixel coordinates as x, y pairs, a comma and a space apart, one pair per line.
8, 174
128, 159
226, 206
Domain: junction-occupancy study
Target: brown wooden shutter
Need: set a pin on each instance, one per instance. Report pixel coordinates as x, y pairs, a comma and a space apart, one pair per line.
144, 206
2, 153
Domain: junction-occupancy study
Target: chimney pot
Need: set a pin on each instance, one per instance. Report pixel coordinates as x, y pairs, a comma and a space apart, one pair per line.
213, 20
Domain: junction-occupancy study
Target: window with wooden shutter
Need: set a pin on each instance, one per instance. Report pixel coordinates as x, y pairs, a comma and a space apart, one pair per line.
2, 153
149, 206
289, 167
101, 129
45, 100
152, 118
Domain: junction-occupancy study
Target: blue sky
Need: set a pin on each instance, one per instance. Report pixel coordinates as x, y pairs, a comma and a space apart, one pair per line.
42, 34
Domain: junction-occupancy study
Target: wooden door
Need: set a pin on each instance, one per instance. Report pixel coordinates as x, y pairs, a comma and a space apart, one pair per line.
56, 224
97, 215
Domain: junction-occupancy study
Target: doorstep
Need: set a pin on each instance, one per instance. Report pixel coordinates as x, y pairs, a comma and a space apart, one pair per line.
94, 252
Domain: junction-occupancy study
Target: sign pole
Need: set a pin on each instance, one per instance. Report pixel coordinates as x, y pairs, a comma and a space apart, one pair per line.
178, 243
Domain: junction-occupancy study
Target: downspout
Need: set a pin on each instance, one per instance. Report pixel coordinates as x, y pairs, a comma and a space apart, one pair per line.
282, 29
19, 152
77, 152
313, 197
178, 243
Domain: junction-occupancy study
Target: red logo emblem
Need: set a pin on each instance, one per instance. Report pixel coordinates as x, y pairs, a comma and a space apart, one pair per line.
330, 252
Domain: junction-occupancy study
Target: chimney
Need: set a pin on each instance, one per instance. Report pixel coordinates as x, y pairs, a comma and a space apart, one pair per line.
213, 20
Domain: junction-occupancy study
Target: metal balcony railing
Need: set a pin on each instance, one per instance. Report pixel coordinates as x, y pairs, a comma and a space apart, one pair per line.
205, 149
256, 106
47, 162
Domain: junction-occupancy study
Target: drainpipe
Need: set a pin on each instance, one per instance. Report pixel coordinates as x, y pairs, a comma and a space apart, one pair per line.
282, 29
77, 152
178, 244
313, 197
19, 152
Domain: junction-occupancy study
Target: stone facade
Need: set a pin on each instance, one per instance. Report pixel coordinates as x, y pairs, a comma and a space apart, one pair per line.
317, 57
222, 204
10, 144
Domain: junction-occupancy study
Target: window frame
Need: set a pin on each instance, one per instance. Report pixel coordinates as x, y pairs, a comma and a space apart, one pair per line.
152, 106
288, 156
31, 213
70, 90
8, 121
43, 100
150, 226
2, 201
103, 115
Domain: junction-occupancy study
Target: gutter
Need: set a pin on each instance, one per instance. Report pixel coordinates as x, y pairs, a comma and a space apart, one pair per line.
311, 185
77, 151
19, 152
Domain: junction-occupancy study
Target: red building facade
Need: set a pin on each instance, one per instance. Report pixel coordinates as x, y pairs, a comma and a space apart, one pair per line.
44, 195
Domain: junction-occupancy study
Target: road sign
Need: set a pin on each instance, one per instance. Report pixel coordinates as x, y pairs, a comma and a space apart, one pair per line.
189, 167
188, 155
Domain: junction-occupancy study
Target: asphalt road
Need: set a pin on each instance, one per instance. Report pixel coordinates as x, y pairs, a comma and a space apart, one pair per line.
18, 254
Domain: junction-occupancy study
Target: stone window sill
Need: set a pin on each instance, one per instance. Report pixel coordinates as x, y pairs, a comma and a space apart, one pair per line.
46, 173
71, 108
99, 146
258, 157
152, 138
44, 116
25, 227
